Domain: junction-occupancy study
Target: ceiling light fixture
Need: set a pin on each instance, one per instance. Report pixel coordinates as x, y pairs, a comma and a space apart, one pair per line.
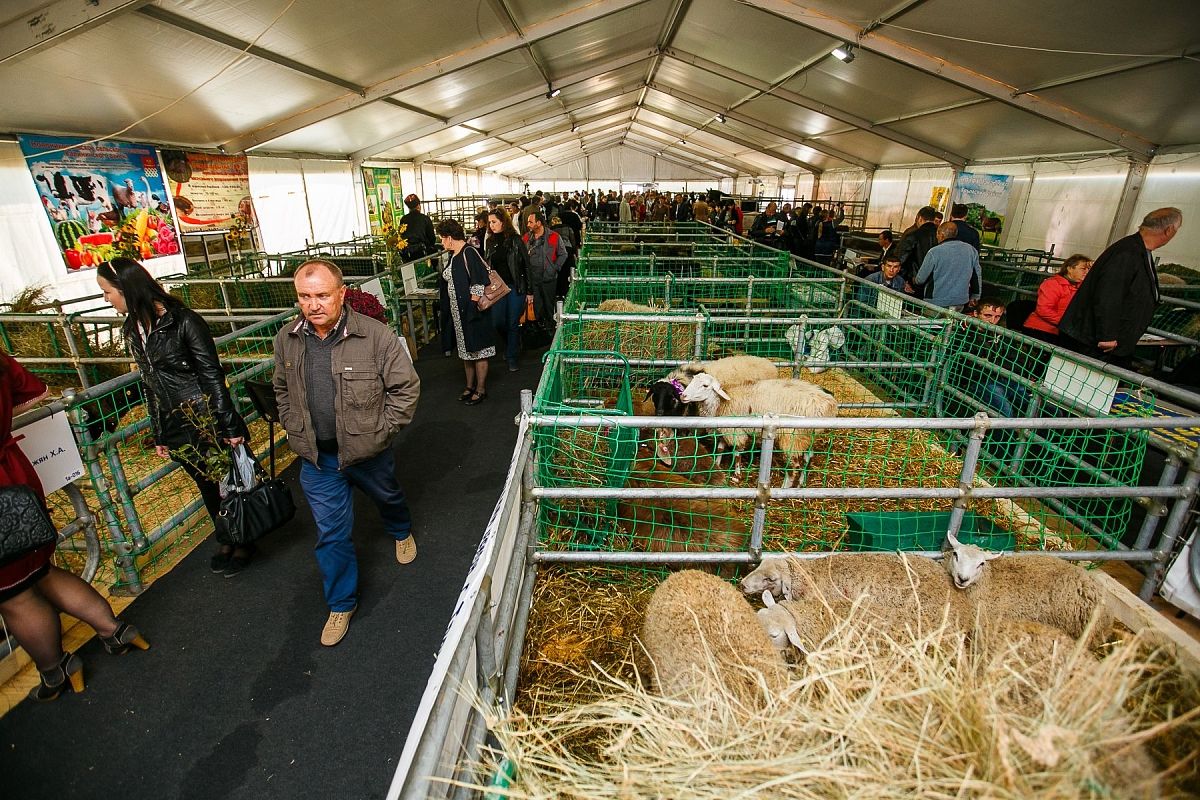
845, 53
681, 141
553, 93
721, 118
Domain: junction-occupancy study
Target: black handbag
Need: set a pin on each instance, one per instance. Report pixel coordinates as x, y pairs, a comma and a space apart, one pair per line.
249, 513
24, 524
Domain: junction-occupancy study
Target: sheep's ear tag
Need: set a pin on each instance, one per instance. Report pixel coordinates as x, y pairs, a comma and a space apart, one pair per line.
768, 598
794, 638
664, 454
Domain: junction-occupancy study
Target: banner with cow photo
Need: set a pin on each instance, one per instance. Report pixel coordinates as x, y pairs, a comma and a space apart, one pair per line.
103, 199
212, 193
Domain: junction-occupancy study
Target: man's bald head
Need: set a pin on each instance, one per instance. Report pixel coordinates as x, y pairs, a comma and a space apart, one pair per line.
306, 269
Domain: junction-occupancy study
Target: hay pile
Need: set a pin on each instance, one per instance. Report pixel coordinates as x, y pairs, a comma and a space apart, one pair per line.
48, 340
925, 715
639, 339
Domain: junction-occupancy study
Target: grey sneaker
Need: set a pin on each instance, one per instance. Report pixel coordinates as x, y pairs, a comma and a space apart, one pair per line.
336, 627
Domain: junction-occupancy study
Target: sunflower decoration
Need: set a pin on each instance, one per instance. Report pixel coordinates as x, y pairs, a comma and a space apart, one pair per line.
393, 235
240, 231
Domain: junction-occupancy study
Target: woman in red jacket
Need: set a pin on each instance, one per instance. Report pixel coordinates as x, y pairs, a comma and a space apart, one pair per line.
1054, 295
33, 590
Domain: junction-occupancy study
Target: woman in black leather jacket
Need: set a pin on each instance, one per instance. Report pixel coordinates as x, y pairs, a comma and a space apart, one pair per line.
507, 255
180, 370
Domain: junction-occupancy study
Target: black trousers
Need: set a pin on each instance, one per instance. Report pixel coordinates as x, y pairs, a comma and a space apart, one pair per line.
211, 494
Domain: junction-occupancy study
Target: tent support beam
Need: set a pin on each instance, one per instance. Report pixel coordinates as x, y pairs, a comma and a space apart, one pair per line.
753, 122
1106, 71
977, 82
821, 108
740, 143
56, 22
427, 72
719, 133
699, 166
483, 136
670, 141
1131, 192
503, 103
538, 138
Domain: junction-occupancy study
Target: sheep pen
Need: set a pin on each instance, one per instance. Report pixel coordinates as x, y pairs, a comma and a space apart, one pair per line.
906, 719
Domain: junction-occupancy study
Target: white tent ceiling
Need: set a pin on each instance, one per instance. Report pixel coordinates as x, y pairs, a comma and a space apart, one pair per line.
465, 83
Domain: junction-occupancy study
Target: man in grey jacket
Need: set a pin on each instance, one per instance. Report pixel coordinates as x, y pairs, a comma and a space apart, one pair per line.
950, 272
547, 254
345, 387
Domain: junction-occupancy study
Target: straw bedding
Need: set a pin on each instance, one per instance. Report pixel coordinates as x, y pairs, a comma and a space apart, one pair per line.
913, 715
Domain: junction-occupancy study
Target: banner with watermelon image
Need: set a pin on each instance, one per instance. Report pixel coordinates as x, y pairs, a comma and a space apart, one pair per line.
211, 191
102, 199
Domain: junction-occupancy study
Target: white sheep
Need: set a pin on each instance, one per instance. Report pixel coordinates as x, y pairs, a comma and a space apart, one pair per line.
730, 371
885, 578
1039, 588
696, 622
786, 397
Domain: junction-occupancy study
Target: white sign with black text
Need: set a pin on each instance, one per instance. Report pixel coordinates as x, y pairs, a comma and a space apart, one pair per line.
50, 447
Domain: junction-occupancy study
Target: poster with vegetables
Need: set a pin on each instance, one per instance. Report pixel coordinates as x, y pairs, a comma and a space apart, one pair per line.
382, 187
212, 192
103, 199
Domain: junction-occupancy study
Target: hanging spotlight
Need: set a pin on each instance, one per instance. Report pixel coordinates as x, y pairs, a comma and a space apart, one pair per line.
552, 93
682, 141
845, 53
721, 118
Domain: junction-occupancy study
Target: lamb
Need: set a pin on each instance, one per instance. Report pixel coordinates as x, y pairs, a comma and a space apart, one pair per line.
1038, 588
730, 371
696, 622
781, 396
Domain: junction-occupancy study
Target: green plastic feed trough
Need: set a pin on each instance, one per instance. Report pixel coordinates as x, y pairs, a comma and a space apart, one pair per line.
920, 530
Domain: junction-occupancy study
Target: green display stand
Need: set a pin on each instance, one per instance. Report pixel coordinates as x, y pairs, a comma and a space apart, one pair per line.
920, 530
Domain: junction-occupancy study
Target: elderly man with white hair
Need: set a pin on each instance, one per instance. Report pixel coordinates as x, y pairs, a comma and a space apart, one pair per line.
1116, 301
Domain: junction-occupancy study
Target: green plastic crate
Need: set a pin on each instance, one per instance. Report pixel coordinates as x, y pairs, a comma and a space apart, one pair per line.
920, 530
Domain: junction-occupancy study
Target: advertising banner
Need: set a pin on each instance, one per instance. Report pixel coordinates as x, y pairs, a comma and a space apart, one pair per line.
211, 191
382, 187
103, 199
986, 198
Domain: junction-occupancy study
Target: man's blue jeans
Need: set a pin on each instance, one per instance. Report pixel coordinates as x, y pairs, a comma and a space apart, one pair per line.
328, 490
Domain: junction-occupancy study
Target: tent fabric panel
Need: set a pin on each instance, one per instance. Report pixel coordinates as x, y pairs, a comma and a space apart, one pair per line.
874, 148
1166, 110
1175, 182
456, 92
100, 84
358, 40
994, 130
790, 116
876, 88
634, 28
746, 39
710, 87
348, 132
1058, 26
335, 203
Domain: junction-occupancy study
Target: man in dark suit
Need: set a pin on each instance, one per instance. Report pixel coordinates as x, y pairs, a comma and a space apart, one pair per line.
1115, 302
916, 242
966, 232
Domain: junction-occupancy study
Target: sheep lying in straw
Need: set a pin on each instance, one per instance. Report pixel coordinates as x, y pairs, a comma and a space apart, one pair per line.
789, 397
1038, 588
883, 577
695, 620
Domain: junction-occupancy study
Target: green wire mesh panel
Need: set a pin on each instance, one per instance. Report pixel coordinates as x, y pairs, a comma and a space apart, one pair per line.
893, 357
575, 382
636, 340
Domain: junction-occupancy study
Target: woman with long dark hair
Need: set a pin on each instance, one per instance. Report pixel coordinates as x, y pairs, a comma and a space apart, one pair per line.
32, 590
507, 255
184, 383
466, 276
